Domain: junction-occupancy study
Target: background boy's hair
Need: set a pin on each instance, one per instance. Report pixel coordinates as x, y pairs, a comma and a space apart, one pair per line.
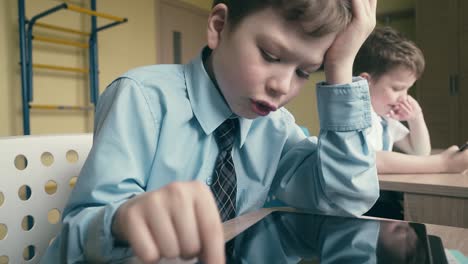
385, 49
316, 17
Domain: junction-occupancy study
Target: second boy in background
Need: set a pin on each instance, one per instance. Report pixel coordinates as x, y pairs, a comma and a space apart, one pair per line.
391, 64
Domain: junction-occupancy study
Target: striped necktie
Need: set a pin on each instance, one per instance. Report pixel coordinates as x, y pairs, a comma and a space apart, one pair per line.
224, 186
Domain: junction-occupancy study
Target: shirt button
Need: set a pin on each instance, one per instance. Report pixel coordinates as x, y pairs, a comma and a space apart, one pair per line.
209, 181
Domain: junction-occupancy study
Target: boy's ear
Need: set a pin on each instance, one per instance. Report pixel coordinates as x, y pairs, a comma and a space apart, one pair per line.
217, 21
366, 76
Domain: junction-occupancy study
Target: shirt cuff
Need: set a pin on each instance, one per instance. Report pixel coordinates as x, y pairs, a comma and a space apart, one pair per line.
102, 246
344, 107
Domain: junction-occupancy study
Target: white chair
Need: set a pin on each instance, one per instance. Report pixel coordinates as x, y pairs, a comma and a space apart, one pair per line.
37, 174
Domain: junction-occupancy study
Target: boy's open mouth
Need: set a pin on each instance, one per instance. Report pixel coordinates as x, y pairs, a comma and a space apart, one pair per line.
262, 108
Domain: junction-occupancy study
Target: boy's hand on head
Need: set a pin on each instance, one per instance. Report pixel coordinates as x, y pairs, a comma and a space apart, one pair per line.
179, 220
454, 160
340, 56
407, 110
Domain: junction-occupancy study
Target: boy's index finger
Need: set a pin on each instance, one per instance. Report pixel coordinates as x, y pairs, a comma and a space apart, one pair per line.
370, 7
373, 4
357, 8
210, 230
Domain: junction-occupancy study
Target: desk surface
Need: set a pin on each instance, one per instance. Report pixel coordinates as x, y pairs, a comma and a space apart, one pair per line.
452, 237
444, 184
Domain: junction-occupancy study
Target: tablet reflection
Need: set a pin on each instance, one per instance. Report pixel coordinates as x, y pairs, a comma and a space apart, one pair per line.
307, 238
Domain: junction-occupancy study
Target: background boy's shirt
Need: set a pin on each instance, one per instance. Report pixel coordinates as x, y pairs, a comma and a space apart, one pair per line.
385, 132
154, 126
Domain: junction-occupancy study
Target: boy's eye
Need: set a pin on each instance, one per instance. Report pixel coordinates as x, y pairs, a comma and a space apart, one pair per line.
269, 57
303, 74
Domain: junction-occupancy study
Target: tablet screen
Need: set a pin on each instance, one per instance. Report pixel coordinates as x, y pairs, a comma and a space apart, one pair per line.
287, 237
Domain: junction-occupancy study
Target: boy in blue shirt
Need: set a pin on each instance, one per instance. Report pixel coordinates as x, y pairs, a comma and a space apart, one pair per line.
391, 64
158, 171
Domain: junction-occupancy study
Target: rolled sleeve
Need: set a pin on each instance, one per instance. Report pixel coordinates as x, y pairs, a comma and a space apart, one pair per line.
344, 107
101, 243
336, 174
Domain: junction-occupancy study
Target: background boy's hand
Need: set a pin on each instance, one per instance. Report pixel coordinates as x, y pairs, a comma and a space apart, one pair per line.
455, 161
407, 110
340, 56
179, 220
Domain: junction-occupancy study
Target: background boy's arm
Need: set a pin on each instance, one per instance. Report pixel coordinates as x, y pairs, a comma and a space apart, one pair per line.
417, 142
449, 161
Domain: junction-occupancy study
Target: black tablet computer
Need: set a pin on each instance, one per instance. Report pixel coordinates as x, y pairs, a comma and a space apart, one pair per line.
295, 237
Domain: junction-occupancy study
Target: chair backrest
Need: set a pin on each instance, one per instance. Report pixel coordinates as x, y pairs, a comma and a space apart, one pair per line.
37, 174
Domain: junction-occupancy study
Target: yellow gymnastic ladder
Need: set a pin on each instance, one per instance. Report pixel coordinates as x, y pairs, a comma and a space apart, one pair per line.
27, 37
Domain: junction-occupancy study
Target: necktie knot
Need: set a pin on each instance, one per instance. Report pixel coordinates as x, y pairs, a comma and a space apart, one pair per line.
225, 134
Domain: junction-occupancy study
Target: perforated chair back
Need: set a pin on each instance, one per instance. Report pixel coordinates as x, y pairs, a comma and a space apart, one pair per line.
37, 174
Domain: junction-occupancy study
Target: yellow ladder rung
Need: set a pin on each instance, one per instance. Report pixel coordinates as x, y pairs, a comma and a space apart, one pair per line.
62, 41
94, 13
63, 29
60, 107
60, 68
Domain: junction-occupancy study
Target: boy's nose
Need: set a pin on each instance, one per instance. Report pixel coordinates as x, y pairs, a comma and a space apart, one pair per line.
279, 84
403, 97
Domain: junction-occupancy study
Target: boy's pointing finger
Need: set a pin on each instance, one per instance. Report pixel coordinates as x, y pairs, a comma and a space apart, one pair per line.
209, 227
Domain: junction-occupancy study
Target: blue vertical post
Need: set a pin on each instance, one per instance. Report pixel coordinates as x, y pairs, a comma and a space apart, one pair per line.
93, 59
24, 87
29, 71
29, 46
23, 63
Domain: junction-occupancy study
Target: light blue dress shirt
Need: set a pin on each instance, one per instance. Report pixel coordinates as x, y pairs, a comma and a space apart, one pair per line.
154, 125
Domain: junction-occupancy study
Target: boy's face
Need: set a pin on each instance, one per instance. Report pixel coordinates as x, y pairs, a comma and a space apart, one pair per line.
389, 89
397, 239
261, 65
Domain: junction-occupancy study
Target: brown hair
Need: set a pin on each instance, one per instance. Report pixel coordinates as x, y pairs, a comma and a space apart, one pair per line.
316, 17
385, 49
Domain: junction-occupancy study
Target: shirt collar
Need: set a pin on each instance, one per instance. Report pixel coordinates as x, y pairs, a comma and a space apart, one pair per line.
208, 104
375, 115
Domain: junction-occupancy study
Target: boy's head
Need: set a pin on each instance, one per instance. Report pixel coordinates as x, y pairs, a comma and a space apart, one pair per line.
391, 63
264, 51
317, 17
401, 242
